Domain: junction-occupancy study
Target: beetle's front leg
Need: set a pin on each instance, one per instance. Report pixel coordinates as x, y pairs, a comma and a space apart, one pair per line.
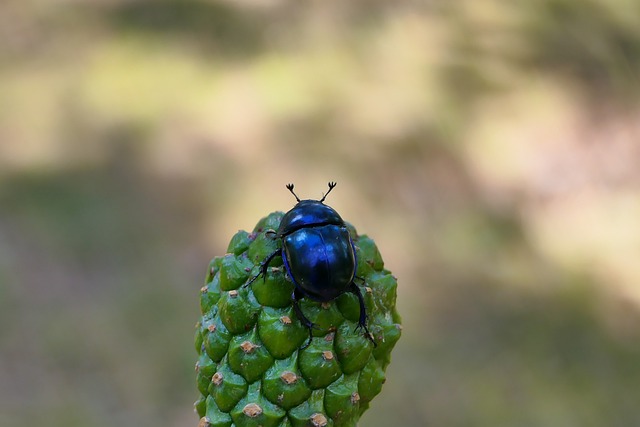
295, 297
263, 267
362, 321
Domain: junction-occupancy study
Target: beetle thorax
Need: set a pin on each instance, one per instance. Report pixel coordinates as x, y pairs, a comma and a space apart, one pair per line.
308, 213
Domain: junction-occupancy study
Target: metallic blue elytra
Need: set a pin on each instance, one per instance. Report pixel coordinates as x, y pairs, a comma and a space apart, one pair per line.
321, 260
319, 256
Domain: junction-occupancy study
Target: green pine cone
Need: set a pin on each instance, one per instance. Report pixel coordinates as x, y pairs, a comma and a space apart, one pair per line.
253, 368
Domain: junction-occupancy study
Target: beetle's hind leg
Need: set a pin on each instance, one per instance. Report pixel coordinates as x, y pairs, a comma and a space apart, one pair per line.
295, 297
360, 278
264, 265
362, 322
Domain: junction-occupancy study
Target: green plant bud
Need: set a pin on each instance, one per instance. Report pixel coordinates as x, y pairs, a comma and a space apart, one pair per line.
239, 243
262, 246
279, 332
325, 316
205, 368
200, 406
352, 348
319, 364
210, 294
342, 400
284, 385
254, 367
239, 310
198, 341
273, 290
227, 387
255, 410
371, 380
369, 253
311, 412
386, 333
234, 272
214, 266
215, 338
384, 288
349, 307
269, 222
248, 356
214, 417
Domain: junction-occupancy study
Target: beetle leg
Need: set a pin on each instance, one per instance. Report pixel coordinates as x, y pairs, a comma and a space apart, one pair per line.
362, 322
295, 297
263, 267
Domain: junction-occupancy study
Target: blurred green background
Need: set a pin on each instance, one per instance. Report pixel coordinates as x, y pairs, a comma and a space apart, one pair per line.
491, 148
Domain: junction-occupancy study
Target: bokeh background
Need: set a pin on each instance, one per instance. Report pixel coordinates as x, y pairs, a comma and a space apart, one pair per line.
491, 148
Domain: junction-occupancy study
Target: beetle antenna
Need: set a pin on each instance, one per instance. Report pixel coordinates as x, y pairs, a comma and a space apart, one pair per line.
290, 188
331, 185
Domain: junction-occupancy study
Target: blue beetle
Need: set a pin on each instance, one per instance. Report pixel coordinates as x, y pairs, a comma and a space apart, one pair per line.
319, 256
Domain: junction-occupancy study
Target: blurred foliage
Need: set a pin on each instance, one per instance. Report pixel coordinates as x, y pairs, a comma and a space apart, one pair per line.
92, 286
596, 43
488, 147
213, 27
